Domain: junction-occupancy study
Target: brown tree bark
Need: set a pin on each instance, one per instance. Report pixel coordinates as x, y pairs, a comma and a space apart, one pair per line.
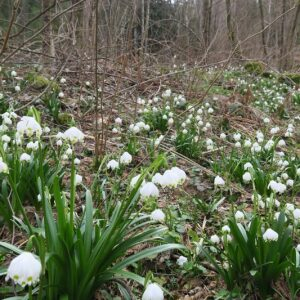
231, 30
263, 34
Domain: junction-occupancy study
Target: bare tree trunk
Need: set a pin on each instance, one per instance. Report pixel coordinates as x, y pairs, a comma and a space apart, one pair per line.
281, 37
147, 24
291, 37
47, 32
231, 30
263, 36
206, 21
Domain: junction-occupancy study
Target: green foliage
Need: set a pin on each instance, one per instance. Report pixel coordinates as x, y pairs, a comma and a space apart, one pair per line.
290, 78
248, 261
296, 98
254, 67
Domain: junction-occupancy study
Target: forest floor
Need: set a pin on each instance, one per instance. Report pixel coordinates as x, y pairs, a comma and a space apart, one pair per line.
210, 123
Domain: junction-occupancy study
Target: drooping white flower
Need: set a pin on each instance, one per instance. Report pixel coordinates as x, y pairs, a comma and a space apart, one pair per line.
87, 83
274, 130
248, 166
270, 235
170, 121
226, 229
25, 157
223, 136
153, 292
59, 143
74, 135
158, 215
24, 269
78, 179
298, 248
148, 190
237, 137
112, 164
215, 239
281, 143
290, 182
69, 151
296, 214
3, 167
219, 181
61, 94
125, 158
266, 120
167, 93
290, 207
63, 80
179, 174
17, 88
239, 215
13, 73
76, 161
5, 138
247, 177
181, 260
247, 144
118, 121
157, 178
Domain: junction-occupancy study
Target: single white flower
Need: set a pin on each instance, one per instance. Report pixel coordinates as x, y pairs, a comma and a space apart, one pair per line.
181, 260
69, 151
76, 161
247, 144
24, 269
158, 215
296, 214
223, 136
170, 121
118, 121
112, 164
59, 143
74, 135
290, 182
153, 292
266, 120
281, 143
157, 178
87, 83
239, 215
13, 73
270, 235
63, 80
61, 95
3, 167
226, 229
25, 157
125, 158
148, 190
248, 166
298, 248
78, 179
247, 177
215, 239
237, 137
219, 181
